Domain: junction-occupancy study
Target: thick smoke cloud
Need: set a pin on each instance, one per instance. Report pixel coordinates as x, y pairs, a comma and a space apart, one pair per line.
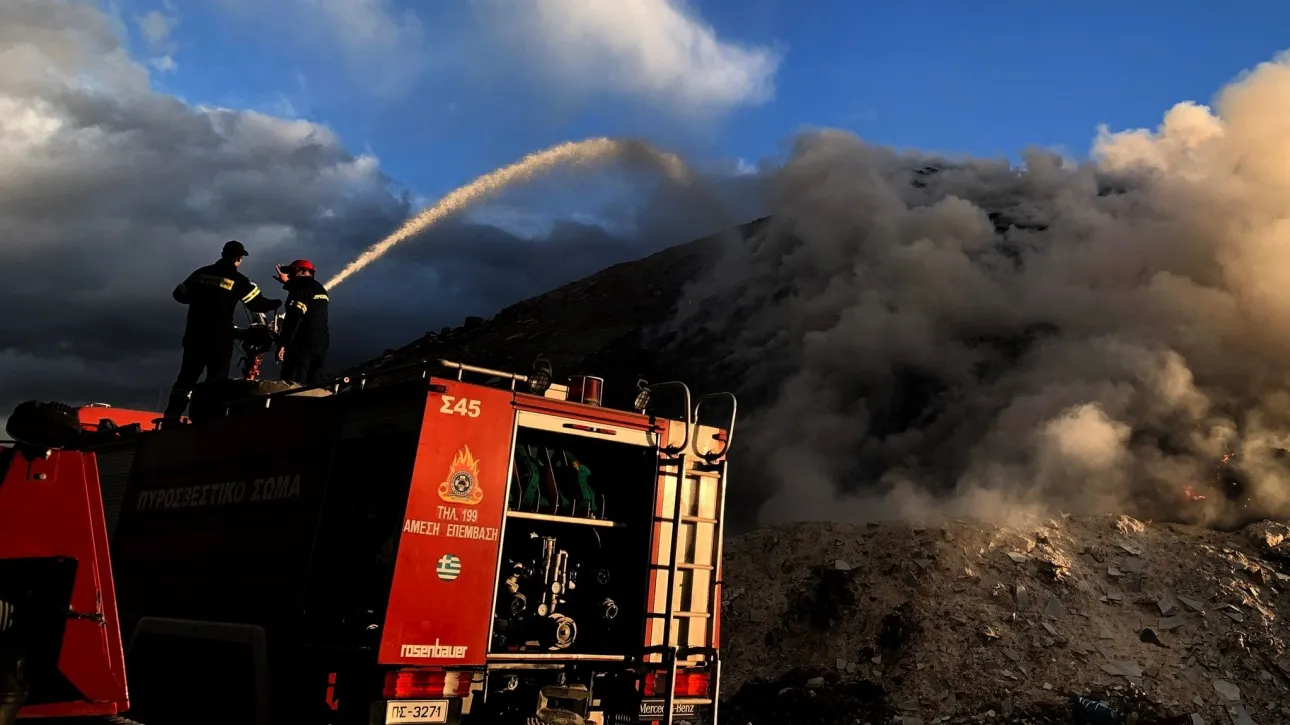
1128, 326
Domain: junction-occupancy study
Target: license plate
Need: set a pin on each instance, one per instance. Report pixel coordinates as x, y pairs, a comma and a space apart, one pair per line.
405, 711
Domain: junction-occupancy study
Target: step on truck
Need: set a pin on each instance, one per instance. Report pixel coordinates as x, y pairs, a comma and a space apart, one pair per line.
435, 543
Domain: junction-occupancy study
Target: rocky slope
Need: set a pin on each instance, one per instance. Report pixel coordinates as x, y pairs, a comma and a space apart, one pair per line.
962, 621
611, 324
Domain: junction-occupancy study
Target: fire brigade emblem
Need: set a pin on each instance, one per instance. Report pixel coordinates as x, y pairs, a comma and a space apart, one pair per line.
462, 485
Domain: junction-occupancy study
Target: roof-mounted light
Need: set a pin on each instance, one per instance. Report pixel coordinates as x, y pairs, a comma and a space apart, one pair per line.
586, 389
642, 396
540, 378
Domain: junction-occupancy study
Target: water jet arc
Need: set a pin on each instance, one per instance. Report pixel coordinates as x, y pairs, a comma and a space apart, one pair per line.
589, 152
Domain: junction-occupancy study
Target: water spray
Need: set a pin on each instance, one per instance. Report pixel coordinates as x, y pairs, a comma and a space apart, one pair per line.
575, 153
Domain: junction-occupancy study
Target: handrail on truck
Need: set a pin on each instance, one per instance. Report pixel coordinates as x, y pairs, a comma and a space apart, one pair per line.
336, 384
689, 416
462, 368
712, 457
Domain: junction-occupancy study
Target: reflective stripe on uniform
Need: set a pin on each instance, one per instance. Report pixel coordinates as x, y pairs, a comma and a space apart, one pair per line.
300, 305
255, 292
322, 297
210, 279
183, 288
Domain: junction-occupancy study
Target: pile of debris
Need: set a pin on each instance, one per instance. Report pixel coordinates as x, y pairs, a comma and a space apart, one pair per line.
1103, 619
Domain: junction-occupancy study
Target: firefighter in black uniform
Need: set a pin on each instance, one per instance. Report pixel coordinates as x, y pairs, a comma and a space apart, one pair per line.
212, 294
304, 339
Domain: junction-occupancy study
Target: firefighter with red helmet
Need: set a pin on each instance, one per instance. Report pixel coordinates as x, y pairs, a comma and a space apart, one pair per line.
212, 293
305, 339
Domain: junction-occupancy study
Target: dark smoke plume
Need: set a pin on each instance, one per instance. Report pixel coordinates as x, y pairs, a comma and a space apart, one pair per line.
972, 337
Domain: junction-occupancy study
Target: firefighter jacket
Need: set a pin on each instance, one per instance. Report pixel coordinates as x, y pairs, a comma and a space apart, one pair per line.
305, 328
212, 294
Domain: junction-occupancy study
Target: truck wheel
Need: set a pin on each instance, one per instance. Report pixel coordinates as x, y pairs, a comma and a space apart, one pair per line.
44, 425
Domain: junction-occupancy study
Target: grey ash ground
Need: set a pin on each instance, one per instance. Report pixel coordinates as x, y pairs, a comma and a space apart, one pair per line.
964, 621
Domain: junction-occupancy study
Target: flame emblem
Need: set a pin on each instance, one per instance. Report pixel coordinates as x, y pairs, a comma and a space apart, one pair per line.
462, 485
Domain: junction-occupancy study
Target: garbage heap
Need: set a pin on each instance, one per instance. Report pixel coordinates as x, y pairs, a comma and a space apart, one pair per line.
1092, 620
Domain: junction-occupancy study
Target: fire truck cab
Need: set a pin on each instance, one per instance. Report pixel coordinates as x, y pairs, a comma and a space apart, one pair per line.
434, 543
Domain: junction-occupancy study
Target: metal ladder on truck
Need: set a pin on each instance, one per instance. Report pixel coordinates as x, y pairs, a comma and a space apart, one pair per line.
690, 514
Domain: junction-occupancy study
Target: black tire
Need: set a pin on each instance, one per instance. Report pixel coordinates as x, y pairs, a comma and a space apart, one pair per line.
45, 425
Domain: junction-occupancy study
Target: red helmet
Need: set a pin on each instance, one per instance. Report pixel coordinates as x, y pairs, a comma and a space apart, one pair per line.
301, 264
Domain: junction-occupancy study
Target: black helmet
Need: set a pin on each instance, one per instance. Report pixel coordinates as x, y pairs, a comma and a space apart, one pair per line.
234, 249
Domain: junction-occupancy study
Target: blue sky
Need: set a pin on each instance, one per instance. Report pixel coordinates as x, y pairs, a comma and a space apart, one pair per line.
450, 99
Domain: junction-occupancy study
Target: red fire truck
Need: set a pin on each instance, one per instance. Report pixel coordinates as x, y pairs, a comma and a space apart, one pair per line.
437, 543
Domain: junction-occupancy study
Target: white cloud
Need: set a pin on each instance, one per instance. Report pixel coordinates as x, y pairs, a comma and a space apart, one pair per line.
155, 27
659, 51
165, 64
654, 49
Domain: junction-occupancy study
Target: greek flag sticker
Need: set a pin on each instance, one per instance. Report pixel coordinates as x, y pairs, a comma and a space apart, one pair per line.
449, 567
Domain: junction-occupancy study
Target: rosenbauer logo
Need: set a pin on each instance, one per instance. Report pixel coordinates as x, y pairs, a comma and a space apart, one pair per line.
433, 651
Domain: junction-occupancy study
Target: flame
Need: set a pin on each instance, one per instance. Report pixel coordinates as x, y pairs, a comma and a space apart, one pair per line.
464, 461
1190, 494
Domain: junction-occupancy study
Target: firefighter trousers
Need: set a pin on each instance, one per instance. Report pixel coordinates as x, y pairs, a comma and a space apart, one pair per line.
214, 359
303, 366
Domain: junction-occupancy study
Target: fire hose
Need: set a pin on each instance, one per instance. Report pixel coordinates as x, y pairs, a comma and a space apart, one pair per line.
256, 339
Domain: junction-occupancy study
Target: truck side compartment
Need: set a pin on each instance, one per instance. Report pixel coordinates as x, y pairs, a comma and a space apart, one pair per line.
58, 614
211, 551
424, 550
